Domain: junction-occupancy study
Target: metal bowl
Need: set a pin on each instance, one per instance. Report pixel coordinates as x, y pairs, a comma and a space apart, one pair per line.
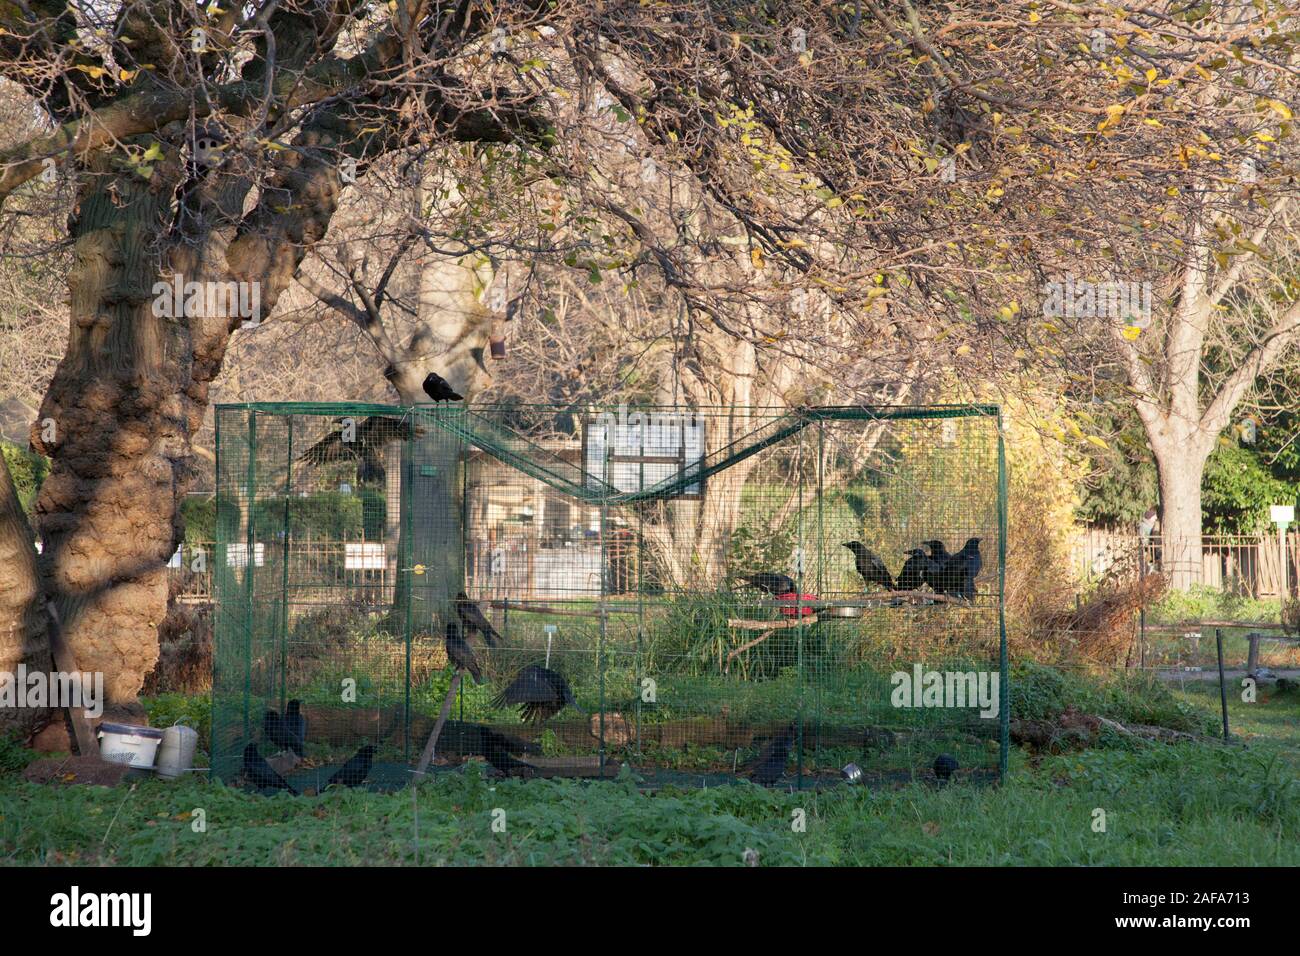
844, 610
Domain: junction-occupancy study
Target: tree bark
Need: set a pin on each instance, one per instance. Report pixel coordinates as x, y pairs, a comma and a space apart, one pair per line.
1180, 467
24, 635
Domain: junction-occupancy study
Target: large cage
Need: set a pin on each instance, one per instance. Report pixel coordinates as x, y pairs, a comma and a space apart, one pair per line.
617, 548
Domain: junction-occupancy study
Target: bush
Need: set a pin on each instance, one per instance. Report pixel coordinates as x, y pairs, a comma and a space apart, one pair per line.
27, 471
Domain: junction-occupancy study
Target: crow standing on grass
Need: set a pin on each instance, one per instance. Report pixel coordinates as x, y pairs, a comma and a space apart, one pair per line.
770, 764
473, 620
541, 693
870, 566
354, 772
769, 582
288, 732
460, 653
259, 773
497, 749
295, 725
945, 765
439, 389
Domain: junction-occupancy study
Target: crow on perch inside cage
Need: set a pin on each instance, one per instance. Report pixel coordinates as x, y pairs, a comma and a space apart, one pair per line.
870, 566
460, 653
473, 620
366, 447
770, 582
961, 569
541, 693
914, 570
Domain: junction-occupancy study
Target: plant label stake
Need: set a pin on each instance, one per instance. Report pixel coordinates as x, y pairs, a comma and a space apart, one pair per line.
550, 635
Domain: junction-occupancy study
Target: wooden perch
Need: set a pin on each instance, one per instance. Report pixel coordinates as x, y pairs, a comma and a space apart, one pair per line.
740, 624
547, 609
767, 627
427, 756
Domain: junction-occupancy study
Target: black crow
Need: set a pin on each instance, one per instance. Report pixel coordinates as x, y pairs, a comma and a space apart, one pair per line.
497, 749
460, 653
355, 771
274, 730
961, 569
259, 773
934, 574
371, 436
769, 582
439, 389
945, 765
540, 693
473, 620
770, 764
912, 576
296, 726
870, 566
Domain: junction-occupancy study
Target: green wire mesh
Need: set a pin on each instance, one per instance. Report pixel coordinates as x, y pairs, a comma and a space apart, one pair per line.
611, 547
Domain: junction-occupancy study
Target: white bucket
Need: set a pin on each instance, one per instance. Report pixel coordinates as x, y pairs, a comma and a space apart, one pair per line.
176, 754
129, 744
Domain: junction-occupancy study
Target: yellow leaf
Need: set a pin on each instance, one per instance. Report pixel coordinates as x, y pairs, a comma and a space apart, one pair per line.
756, 257
1131, 332
1277, 106
1151, 75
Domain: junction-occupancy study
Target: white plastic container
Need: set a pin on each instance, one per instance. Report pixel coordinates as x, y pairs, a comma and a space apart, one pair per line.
129, 744
176, 753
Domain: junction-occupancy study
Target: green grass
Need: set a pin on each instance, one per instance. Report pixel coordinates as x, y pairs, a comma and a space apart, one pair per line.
1186, 804
1181, 805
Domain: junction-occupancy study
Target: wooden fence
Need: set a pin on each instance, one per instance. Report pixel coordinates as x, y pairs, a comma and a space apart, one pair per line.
1246, 565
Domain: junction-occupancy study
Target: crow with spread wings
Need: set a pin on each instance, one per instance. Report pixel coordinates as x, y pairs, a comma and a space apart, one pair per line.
371, 437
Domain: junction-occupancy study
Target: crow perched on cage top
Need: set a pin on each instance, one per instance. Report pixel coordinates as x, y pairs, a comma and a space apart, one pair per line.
870, 566
460, 653
354, 772
912, 576
473, 620
945, 765
770, 764
439, 389
259, 773
961, 569
372, 435
769, 582
541, 693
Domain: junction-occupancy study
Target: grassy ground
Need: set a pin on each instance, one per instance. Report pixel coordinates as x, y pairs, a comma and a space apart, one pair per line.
1189, 804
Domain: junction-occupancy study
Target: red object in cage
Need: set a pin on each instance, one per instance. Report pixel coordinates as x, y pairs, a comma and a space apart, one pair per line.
790, 598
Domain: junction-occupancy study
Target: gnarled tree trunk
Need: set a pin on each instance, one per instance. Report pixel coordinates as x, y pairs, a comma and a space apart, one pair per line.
24, 635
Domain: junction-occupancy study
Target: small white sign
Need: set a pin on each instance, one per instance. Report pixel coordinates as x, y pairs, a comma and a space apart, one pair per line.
1282, 514
364, 557
237, 555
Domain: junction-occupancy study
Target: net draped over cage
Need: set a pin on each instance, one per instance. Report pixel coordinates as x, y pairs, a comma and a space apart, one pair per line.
685, 572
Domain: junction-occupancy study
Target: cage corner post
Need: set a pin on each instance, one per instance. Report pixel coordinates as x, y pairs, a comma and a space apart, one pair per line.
1004, 696
250, 551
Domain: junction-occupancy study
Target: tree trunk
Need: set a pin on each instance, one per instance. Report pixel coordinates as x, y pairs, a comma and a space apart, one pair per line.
24, 635
1180, 466
114, 422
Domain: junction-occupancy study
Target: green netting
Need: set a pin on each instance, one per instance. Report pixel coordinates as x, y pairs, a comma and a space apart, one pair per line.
610, 547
